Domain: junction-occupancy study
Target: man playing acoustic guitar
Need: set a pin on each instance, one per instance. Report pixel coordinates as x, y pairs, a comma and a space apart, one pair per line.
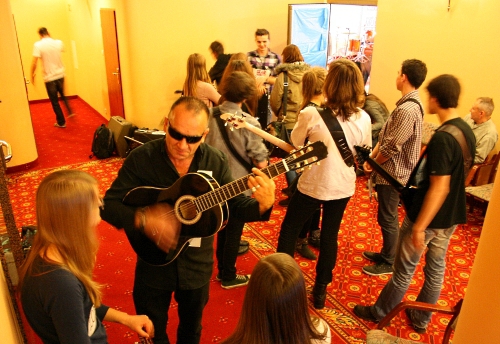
161, 163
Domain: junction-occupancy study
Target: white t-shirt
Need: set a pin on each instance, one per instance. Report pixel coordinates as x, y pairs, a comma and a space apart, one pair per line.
49, 50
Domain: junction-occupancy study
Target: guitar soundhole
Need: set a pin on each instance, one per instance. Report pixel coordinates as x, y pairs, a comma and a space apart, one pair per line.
185, 210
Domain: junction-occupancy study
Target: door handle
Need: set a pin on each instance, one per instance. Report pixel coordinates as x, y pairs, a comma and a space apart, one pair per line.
9, 150
117, 74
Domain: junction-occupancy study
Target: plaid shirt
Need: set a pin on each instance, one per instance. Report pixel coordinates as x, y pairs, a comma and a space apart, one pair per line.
269, 62
400, 139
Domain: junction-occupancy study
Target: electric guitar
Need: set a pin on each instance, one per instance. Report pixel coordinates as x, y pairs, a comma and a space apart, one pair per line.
197, 204
238, 122
406, 193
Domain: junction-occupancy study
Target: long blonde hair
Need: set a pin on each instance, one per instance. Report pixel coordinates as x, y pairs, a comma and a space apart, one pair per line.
275, 307
64, 204
196, 71
344, 88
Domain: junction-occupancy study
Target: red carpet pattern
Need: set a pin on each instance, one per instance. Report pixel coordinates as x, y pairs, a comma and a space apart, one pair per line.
115, 265
359, 232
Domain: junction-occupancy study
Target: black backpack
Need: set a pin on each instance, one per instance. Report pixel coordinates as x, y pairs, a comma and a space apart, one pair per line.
103, 144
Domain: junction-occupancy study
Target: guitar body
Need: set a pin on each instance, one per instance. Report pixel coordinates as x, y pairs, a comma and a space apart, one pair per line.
195, 205
188, 186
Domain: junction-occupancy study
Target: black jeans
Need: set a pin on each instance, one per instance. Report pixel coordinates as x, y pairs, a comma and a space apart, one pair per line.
156, 302
299, 211
54, 88
228, 243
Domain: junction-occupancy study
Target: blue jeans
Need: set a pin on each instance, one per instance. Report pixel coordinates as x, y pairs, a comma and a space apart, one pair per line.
407, 258
54, 88
299, 212
387, 217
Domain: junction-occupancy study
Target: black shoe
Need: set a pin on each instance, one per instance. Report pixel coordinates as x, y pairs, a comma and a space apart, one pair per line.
378, 269
373, 256
364, 313
319, 295
284, 202
244, 243
314, 238
304, 250
420, 330
243, 249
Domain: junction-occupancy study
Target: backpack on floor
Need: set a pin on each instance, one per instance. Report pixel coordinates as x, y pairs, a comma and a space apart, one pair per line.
103, 144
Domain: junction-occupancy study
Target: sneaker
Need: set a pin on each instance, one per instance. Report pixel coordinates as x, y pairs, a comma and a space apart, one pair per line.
244, 243
373, 256
59, 126
239, 281
71, 115
218, 277
364, 313
378, 269
420, 330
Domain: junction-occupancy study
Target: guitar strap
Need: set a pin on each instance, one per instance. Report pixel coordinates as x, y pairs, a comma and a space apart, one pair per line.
337, 133
413, 100
459, 136
220, 122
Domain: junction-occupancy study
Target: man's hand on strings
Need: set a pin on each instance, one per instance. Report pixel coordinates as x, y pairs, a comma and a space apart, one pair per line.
159, 224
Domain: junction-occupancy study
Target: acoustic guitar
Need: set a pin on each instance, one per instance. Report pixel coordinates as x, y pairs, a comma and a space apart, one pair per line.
406, 193
197, 204
238, 121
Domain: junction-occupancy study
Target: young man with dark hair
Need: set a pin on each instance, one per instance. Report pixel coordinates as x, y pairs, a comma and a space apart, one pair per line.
236, 88
397, 150
438, 205
49, 50
217, 50
263, 62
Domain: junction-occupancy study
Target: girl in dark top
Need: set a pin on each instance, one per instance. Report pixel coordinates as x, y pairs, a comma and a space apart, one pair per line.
59, 297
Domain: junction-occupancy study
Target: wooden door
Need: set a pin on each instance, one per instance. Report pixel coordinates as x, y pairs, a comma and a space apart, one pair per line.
112, 59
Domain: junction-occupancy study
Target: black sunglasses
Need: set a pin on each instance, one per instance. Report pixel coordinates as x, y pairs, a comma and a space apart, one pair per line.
178, 136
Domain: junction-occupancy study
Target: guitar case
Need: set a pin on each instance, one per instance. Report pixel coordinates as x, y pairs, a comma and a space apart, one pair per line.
120, 128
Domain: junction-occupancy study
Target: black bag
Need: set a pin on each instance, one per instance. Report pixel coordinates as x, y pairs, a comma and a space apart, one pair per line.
103, 144
278, 130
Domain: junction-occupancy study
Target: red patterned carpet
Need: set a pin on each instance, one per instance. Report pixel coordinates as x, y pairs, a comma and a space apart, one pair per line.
359, 232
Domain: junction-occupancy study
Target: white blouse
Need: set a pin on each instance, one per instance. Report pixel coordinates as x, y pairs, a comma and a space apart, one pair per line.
332, 179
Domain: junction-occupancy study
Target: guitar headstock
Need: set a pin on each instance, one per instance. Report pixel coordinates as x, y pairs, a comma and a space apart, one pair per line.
363, 153
234, 121
307, 155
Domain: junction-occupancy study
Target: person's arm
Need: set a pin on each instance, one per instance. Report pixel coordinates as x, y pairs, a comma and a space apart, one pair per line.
33, 69
483, 148
433, 200
137, 323
212, 93
399, 129
276, 98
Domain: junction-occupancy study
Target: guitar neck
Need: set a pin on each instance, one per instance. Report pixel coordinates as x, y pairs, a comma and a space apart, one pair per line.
236, 187
270, 138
